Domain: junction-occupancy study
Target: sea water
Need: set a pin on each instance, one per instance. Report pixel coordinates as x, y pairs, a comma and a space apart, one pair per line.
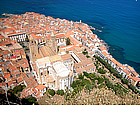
116, 21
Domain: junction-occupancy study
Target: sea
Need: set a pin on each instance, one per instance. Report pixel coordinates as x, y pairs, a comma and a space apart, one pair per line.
117, 22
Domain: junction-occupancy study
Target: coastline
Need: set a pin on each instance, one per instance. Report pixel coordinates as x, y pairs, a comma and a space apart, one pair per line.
100, 31
79, 48
116, 51
112, 49
81, 34
96, 14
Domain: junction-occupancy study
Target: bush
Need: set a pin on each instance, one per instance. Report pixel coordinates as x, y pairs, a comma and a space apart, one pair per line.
108, 83
86, 74
60, 92
124, 81
100, 80
87, 56
31, 99
80, 76
75, 83
102, 71
51, 92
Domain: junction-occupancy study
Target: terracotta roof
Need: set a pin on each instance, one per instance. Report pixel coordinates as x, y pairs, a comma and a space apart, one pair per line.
6, 75
126, 71
102, 48
81, 56
19, 79
60, 35
40, 87
26, 92
6, 52
66, 57
116, 62
135, 79
10, 83
78, 65
23, 63
80, 70
105, 53
1, 36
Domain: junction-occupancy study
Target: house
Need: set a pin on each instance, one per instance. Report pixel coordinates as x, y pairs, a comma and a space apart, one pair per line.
40, 90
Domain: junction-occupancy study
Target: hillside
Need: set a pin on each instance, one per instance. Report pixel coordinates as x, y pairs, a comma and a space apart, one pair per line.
99, 88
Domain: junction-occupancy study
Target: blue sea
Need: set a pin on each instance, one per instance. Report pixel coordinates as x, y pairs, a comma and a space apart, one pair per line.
117, 21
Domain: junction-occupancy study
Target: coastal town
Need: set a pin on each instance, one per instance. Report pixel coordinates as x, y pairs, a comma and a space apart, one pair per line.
42, 53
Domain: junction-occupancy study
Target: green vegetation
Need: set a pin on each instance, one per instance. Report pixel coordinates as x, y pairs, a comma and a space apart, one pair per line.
117, 75
124, 81
87, 81
29, 101
15, 93
109, 67
102, 71
60, 92
51, 92
68, 41
85, 52
87, 56
133, 88
16, 90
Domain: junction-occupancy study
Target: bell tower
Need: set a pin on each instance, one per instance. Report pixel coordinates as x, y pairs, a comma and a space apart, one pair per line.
33, 48
53, 42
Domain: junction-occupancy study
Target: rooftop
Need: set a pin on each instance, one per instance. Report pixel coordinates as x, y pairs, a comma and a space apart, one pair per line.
60, 69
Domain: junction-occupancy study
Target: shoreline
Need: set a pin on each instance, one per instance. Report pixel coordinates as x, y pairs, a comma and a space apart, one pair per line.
123, 60
80, 33
112, 49
7, 15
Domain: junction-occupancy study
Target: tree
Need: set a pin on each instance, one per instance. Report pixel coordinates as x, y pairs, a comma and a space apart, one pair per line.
60, 92
89, 87
80, 76
67, 41
124, 81
16, 89
86, 74
51, 92
29, 100
85, 52
102, 71
100, 80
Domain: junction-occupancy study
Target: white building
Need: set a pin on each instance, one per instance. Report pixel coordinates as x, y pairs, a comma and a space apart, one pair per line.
52, 73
